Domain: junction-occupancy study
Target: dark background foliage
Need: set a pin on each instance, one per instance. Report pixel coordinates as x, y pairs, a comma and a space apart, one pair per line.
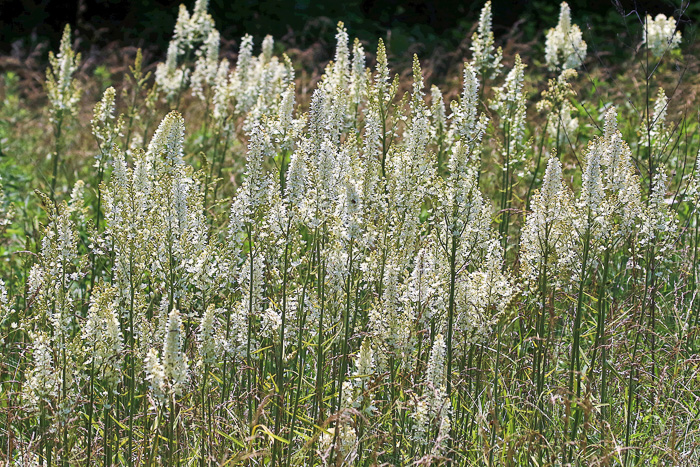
149, 23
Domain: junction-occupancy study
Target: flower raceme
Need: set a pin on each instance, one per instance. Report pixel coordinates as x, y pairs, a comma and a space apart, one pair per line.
661, 34
486, 59
62, 88
565, 47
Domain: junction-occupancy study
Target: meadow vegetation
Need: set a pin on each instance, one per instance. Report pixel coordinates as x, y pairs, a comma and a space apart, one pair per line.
232, 262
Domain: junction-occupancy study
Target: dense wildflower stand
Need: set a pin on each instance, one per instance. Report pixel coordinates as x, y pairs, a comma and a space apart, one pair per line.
360, 277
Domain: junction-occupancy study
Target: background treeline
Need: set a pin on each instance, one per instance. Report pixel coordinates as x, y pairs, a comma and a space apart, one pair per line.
302, 23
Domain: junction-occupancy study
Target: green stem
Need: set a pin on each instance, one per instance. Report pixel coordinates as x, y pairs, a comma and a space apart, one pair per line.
57, 154
576, 346
496, 422
346, 324
91, 404
280, 357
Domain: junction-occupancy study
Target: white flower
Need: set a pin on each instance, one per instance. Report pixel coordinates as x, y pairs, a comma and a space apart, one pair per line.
661, 34
565, 47
174, 360
168, 140
102, 335
42, 380
169, 76
207, 65
485, 57
510, 102
208, 348
104, 111
435, 374
659, 221
464, 113
364, 362
62, 89
155, 374
358, 77
591, 186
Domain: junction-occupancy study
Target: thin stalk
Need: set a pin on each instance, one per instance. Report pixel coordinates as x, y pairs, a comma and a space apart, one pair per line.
450, 318
576, 346
181, 87
139, 80
693, 321
496, 422
318, 412
539, 366
630, 384
451, 310
300, 352
503, 227
132, 359
205, 434
537, 165
392, 406
57, 153
346, 324
600, 328
91, 404
108, 430
220, 166
280, 357
249, 382
171, 430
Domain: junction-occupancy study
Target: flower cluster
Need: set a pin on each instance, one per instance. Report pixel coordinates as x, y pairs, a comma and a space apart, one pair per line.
62, 88
565, 47
485, 56
194, 35
661, 34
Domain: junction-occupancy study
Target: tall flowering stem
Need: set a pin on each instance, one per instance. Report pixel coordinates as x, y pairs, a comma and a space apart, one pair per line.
509, 102
64, 94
